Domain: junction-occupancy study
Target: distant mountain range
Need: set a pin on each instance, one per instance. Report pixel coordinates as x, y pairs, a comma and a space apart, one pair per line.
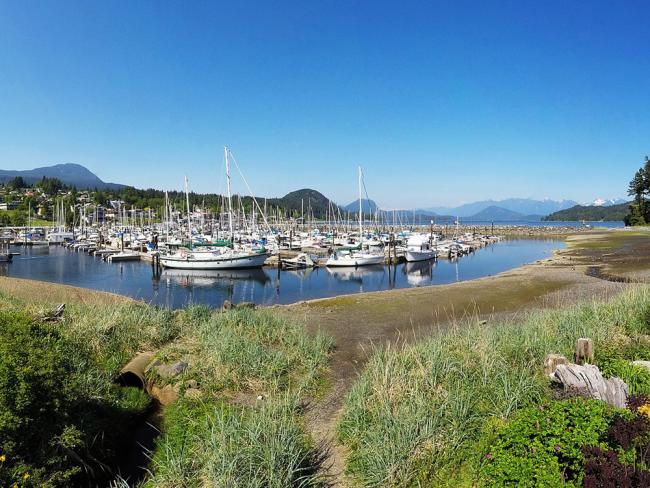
522, 206
591, 212
70, 174
605, 202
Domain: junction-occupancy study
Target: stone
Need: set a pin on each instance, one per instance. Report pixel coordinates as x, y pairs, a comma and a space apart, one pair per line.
643, 364
227, 305
588, 377
193, 394
168, 371
191, 384
165, 395
551, 362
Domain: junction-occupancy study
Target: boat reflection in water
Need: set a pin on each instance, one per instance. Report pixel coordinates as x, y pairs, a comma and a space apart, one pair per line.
361, 275
212, 278
419, 273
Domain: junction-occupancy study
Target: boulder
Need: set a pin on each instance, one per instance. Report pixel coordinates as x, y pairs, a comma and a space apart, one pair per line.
168, 371
588, 377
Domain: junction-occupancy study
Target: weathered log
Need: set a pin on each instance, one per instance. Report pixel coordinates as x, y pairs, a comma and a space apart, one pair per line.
584, 351
588, 377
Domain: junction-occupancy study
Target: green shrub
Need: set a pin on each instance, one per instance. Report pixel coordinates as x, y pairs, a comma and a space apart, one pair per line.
62, 420
542, 445
34, 390
636, 377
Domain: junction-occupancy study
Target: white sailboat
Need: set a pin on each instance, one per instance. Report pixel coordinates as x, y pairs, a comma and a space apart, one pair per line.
220, 258
356, 257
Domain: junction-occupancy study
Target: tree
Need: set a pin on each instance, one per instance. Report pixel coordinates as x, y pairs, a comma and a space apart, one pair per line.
639, 187
16, 183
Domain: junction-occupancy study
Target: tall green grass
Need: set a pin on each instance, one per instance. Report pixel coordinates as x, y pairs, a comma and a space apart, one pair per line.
231, 438
415, 415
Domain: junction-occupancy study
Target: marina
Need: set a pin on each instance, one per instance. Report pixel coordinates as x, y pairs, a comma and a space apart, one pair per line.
175, 288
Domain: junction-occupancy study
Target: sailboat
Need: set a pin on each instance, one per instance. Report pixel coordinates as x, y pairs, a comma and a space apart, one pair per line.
221, 257
358, 257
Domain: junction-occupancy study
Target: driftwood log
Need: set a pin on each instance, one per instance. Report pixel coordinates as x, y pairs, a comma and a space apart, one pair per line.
588, 378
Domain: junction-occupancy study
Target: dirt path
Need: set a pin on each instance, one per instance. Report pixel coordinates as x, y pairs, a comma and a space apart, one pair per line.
359, 322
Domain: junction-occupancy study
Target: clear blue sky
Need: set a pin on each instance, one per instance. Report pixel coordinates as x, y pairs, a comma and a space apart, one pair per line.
441, 102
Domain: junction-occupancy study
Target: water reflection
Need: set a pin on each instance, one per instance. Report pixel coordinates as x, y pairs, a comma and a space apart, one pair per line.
177, 288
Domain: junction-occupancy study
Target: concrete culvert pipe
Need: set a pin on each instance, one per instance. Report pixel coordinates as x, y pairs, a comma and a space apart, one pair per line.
133, 374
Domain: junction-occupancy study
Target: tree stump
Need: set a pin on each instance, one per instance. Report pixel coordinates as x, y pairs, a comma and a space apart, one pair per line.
584, 351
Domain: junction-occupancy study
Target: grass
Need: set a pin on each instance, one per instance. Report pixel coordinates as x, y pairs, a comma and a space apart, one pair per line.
417, 415
230, 437
226, 437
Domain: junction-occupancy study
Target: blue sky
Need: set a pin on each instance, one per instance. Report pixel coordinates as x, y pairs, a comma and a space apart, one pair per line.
440, 102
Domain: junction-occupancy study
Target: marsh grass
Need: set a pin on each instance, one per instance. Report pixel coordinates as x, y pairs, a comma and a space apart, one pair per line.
230, 438
416, 414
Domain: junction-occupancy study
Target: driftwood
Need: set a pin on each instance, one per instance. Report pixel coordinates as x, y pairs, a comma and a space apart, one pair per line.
614, 391
54, 315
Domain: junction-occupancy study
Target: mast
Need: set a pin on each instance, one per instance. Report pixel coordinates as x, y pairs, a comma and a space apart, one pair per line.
232, 236
360, 211
189, 220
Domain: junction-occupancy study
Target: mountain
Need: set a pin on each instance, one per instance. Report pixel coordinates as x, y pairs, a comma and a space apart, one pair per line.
502, 214
368, 206
302, 201
69, 174
523, 206
602, 202
591, 212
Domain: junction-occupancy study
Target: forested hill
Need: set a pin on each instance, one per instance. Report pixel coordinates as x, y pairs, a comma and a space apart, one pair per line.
591, 212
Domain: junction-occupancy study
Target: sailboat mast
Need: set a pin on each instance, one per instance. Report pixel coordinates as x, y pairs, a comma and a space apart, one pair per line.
189, 220
360, 211
232, 237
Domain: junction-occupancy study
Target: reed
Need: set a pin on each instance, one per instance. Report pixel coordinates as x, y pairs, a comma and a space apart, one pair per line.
416, 414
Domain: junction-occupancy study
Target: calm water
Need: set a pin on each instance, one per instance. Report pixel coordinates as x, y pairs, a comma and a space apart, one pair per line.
176, 288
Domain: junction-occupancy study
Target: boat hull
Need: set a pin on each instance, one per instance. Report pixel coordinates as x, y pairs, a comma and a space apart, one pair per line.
416, 256
354, 261
225, 262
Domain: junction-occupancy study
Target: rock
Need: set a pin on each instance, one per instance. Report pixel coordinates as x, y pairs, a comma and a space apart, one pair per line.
168, 371
260, 397
551, 362
193, 394
643, 364
614, 391
227, 305
165, 395
191, 384
482, 322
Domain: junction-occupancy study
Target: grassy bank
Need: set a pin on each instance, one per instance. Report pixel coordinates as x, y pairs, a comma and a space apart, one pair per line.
64, 421
425, 415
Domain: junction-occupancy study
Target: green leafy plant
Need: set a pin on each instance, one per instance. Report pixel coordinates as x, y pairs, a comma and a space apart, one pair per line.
542, 445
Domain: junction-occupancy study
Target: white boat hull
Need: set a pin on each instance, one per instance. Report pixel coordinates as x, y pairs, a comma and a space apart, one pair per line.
415, 256
217, 262
355, 260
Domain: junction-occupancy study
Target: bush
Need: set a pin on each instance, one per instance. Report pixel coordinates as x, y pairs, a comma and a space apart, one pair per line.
542, 446
62, 421
636, 377
34, 390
